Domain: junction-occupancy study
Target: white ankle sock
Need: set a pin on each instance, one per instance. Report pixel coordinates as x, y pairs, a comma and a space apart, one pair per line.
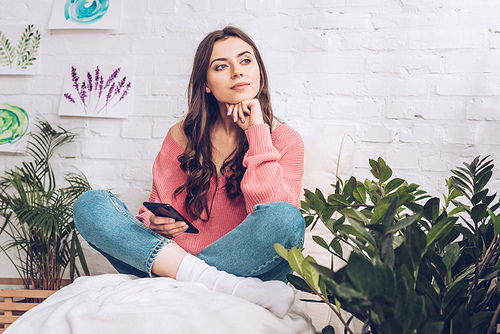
275, 296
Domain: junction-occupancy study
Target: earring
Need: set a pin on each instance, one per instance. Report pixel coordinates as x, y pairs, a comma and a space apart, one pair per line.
207, 90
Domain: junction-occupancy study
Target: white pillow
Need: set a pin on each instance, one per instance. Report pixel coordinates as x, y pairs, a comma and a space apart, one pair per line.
326, 157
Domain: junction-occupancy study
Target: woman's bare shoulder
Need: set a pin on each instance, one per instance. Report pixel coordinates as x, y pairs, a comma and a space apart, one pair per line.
177, 133
276, 123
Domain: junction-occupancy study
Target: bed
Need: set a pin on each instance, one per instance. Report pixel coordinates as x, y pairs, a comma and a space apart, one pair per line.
115, 303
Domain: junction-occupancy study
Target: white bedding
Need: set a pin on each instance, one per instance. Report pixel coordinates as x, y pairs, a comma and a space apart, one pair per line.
122, 304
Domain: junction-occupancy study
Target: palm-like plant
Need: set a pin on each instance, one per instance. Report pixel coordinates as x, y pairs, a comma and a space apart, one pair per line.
39, 216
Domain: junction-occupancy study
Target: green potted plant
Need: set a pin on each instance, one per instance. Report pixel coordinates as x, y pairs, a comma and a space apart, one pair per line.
38, 216
415, 265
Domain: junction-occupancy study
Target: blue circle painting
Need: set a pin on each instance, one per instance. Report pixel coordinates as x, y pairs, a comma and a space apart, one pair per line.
85, 11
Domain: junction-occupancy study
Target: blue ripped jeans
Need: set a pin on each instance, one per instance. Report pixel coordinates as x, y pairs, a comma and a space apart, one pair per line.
131, 247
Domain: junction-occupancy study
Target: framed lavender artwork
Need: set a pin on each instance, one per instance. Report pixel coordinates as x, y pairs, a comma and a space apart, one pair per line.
85, 14
97, 91
19, 49
14, 125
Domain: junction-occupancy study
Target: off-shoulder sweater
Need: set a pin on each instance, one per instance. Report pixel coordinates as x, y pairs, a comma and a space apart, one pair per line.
274, 163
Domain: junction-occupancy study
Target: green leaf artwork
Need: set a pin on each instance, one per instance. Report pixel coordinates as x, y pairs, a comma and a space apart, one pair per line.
21, 55
14, 123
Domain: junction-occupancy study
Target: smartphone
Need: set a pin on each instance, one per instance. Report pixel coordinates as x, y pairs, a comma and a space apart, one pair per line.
166, 210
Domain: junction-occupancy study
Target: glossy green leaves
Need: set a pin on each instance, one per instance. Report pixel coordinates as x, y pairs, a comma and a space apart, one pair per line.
415, 264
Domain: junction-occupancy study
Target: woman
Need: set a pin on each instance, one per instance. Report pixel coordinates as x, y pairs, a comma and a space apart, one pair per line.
231, 168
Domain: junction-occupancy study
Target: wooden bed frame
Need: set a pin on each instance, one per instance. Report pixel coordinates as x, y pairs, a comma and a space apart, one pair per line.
16, 301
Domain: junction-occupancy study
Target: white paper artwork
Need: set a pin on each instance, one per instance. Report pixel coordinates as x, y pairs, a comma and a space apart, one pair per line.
97, 91
19, 49
85, 14
14, 125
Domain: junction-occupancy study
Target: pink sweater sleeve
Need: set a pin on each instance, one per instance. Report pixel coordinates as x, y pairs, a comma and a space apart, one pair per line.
275, 164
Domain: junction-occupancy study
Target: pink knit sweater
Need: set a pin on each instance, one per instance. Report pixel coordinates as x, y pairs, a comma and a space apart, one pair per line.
274, 163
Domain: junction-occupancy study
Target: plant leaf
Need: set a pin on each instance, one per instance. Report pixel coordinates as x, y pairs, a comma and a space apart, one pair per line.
479, 212
392, 185
295, 259
281, 251
455, 290
482, 180
495, 220
403, 223
320, 241
354, 215
415, 314
363, 233
361, 272
388, 217
337, 247
385, 173
425, 287
478, 197
338, 200
431, 209
328, 330
359, 194
309, 273
432, 328
440, 229
299, 283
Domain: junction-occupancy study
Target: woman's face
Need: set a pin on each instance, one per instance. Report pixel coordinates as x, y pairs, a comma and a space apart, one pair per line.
233, 74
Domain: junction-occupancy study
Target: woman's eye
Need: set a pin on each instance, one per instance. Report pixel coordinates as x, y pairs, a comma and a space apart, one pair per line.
246, 61
220, 67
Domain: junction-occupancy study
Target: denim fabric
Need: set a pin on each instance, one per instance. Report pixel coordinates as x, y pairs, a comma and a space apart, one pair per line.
131, 247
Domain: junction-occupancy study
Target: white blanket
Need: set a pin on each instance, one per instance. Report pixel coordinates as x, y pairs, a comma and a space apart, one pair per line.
124, 304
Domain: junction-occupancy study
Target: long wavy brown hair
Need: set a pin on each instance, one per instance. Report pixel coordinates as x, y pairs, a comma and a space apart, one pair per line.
203, 112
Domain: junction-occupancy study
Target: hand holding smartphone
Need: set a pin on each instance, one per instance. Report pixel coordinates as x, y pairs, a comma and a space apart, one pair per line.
166, 210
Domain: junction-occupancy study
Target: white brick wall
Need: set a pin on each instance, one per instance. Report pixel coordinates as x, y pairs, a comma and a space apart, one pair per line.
416, 82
